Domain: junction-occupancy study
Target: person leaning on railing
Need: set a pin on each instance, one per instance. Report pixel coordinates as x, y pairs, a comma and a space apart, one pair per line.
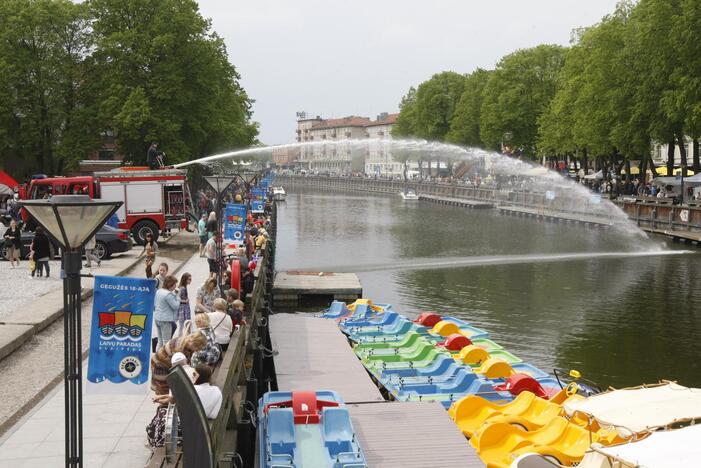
161, 360
210, 395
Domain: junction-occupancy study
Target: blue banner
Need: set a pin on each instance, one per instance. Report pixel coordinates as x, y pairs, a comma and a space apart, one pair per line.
120, 334
267, 181
234, 222
258, 200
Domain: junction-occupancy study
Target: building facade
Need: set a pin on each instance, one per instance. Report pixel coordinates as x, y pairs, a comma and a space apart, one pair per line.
379, 161
285, 156
334, 149
659, 153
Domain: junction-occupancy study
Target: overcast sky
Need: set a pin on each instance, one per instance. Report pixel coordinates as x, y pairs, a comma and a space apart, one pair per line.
335, 58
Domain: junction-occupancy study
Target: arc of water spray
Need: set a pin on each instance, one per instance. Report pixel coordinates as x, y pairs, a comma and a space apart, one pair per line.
498, 163
466, 262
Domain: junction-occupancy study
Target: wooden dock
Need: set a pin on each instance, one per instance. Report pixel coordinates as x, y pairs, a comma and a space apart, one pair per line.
462, 202
312, 288
677, 235
408, 435
315, 355
553, 216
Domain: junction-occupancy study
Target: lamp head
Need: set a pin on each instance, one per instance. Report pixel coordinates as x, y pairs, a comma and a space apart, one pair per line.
71, 219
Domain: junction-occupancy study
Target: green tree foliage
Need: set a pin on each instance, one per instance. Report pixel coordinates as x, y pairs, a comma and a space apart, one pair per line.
465, 125
42, 47
687, 74
517, 93
657, 99
436, 100
591, 108
143, 69
426, 112
406, 121
165, 76
631, 79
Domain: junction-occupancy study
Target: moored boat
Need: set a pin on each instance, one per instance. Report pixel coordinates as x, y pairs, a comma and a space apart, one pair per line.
409, 194
279, 193
306, 428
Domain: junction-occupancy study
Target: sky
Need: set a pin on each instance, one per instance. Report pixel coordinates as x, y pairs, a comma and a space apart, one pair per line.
335, 58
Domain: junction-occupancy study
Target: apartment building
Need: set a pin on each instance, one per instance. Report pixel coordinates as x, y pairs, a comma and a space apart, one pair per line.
379, 161
374, 158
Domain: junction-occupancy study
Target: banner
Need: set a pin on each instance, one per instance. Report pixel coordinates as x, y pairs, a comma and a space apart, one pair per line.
234, 222
267, 181
257, 200
120, 334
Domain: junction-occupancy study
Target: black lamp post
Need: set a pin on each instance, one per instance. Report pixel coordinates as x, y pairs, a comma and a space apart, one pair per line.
682, 181
71, 220
220, 183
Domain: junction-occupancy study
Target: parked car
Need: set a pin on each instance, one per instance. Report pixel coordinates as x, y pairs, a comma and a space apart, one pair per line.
108, 241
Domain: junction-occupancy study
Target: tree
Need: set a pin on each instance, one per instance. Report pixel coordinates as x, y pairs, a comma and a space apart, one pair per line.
659, 102
436, 100
686, 75
406, 121
517, 93
164, 75
43, 44
465, 124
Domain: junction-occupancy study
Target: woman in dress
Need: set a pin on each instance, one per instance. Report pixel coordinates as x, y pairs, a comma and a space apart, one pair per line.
13, 239
150, 251
184, 309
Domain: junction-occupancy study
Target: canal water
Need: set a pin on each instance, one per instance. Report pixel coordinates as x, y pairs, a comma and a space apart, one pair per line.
542, 290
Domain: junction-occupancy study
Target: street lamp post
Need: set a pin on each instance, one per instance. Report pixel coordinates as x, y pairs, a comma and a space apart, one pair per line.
682, 182
71, 220
220, 183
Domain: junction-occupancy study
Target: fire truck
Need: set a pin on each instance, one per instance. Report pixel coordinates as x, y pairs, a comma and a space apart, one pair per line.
155, 201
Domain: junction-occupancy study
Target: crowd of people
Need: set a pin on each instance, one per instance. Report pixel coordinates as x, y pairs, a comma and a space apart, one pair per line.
196, 337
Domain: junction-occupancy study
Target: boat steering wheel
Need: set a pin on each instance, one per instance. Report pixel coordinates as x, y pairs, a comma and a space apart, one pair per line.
571, 389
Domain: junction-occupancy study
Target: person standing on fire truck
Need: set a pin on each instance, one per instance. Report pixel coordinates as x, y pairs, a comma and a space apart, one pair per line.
152, 156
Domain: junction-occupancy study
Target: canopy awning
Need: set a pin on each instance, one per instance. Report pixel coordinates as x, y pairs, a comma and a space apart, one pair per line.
598, 176
634, 170
662, 171
666, 181
633, 411
661, 449
536, 171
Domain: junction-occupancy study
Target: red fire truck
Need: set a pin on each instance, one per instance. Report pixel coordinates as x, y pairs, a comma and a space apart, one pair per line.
155, 201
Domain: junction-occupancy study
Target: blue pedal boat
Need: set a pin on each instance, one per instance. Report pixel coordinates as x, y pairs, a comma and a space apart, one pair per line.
302, 428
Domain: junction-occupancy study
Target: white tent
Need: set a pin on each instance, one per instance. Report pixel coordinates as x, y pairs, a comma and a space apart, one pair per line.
633, 411
536, 171
664, 449
598, 176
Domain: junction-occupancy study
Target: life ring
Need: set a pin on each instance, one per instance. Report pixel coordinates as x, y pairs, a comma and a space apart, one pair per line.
236, 275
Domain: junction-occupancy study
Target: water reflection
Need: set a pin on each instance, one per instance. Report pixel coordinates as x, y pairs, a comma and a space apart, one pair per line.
621, 321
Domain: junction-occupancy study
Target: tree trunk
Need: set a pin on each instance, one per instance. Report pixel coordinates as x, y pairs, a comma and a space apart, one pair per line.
643, 169
585, 160
682, 151
670, 157
627, 164
653, 169
697, 165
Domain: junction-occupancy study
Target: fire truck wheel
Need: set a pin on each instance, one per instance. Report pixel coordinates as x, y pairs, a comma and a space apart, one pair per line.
142, 228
